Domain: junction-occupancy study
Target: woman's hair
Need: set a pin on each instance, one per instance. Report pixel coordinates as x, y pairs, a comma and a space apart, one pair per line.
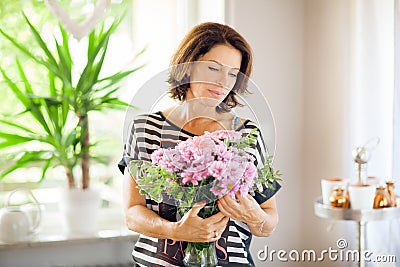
197, 42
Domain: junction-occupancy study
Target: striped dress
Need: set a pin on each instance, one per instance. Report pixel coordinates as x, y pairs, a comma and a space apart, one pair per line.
152, 131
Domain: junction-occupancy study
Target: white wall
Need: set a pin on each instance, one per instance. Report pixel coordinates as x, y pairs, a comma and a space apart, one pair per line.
275, 30
302, 64
327, 87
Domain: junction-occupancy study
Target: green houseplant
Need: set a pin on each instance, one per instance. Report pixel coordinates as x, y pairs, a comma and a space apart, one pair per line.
62, 114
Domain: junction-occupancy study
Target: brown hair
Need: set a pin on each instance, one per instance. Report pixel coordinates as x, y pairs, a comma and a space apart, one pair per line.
197, 42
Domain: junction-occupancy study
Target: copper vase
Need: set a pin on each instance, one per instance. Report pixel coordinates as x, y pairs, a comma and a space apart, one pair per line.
390, 190
339, 198
382, 198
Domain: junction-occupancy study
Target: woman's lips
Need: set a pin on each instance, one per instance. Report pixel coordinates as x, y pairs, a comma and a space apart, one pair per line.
216, 93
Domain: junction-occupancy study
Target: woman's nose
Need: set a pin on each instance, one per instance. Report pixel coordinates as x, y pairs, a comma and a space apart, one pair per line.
223, 80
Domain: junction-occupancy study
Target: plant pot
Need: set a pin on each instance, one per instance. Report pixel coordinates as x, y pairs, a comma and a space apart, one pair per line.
79, 211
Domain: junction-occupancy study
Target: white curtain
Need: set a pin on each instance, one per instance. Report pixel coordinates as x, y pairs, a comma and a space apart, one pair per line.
396, 96
373, 112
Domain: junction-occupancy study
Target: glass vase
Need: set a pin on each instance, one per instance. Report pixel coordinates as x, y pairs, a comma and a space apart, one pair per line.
200, 254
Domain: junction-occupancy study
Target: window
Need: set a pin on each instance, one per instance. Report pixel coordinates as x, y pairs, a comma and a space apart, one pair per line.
156, 25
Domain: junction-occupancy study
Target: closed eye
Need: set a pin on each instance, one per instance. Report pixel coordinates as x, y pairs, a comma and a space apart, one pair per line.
213, 68
234, 75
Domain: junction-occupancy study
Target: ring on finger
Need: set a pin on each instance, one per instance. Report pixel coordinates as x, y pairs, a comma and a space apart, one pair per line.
216, 234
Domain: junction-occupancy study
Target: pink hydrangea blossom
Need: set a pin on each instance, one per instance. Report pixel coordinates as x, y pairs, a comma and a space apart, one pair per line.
213, 155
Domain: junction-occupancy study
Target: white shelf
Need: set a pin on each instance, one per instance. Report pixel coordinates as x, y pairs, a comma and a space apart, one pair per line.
365, 215
110, 227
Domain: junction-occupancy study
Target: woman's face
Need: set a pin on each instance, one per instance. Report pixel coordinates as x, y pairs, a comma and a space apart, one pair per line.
214, 74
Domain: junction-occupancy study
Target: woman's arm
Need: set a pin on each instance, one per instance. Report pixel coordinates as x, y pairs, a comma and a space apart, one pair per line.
190, 228
261, 218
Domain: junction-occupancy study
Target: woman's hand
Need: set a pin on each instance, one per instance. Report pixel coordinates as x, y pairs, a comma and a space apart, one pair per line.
261, 219
244, 209
192, 228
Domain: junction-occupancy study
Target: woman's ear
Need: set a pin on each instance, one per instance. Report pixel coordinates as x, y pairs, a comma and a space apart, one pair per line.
185, 79
188, 69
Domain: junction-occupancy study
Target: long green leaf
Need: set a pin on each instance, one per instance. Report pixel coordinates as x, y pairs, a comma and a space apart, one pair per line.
19, 46
102, 43
109, 93
52, 108
11, 169
13, 139
33, 156
113, 103
66, 97
51, 63
45, 168
27, 159
65, 39
29, 105
26, 51
28, 87
18, 92
19, 126
85, 82
97, 68
91, 42
63, 64
52, 84
113, 79
40, 41
138, 54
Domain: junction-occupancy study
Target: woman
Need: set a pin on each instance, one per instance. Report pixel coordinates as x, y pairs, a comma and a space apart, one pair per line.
208, 69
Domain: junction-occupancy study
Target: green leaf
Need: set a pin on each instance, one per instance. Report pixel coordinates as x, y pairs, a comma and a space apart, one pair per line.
50, 105
40, 41
65, 39
13, 86
110, 103
65, 65
26, 159
23, 98
71, 138
28, 87
45, 168
52, 84
14, 139
98, 67
19, 46
93, 50
19, 126
113, 79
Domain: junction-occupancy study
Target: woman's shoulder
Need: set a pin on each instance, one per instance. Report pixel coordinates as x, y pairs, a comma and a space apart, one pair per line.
147, 117
247, 124
145, 121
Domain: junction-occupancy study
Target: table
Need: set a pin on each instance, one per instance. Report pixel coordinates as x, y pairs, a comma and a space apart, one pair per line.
361, 217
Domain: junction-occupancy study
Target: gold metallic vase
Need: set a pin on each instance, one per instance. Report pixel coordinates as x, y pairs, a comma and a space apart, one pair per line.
339, 198
390, 190
382, 198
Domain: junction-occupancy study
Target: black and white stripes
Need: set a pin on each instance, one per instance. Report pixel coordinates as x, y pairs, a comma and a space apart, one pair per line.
152, 131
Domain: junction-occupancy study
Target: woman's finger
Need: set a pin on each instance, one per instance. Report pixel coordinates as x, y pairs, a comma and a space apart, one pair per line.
222, 208
230, 201
196, 208
216, 217
239, 197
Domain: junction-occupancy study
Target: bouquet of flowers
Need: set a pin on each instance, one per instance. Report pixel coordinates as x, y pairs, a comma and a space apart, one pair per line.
202, 168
